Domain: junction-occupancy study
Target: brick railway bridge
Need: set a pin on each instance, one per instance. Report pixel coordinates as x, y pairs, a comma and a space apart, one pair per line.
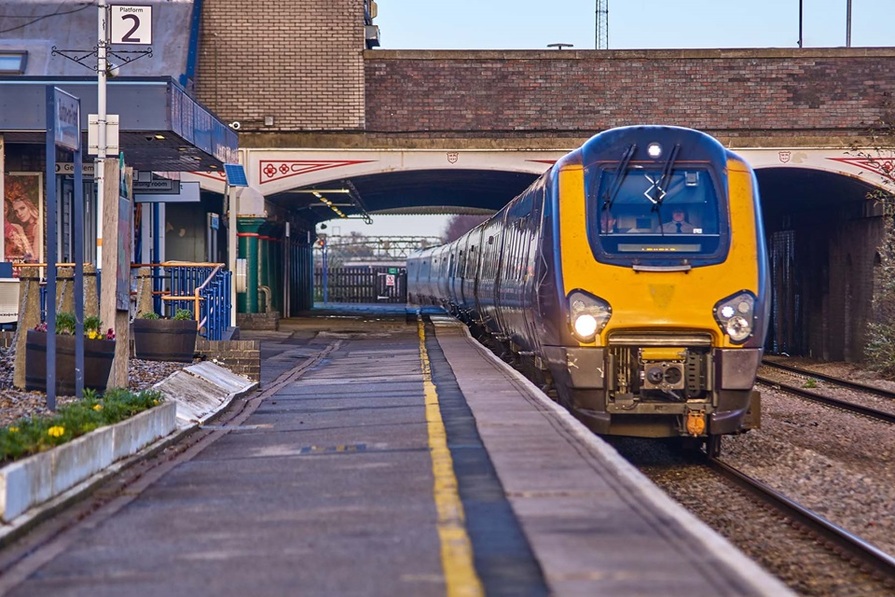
318, 106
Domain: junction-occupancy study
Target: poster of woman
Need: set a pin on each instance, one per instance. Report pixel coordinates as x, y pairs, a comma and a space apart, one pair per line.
22, 218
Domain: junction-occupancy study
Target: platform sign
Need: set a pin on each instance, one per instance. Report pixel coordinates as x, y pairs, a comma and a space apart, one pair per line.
148, 183
67, 120
130, 24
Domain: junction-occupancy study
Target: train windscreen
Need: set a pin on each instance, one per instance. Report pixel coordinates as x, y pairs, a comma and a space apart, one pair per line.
638, 214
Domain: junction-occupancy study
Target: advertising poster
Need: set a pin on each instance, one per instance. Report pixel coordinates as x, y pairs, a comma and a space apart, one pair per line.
22, 217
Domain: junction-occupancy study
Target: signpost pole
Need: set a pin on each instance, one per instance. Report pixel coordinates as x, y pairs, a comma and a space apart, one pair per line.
63, 131
51, 248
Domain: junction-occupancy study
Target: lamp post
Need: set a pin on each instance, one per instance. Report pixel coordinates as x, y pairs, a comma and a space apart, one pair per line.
102, 142
848, 23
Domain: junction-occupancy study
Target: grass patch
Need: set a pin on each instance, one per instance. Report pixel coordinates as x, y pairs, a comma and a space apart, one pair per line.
36, 434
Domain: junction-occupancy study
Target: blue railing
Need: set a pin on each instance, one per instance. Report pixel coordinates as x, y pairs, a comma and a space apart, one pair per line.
204, 289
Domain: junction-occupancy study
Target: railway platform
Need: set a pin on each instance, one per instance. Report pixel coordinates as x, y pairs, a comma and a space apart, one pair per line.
386, 454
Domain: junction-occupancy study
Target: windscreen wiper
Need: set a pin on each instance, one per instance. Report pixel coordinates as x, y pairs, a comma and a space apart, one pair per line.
620, 172
666, 175
660, 185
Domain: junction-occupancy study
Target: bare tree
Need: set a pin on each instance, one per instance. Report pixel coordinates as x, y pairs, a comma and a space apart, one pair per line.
459, 224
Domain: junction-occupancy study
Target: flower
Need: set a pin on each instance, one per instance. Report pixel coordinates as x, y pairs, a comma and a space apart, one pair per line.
13, 429
66, 324
56, 431
97, 407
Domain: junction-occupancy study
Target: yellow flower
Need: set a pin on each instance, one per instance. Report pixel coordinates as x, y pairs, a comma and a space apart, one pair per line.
13, 429
93, 334
56, 431
97, 407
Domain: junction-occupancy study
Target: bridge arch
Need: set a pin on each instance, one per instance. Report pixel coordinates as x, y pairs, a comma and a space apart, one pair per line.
823, 231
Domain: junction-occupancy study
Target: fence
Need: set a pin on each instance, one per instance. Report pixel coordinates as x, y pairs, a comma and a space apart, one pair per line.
361, 284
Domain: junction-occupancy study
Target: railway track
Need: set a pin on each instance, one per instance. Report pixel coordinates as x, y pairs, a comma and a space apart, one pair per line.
854, 385
848, 405
850, 546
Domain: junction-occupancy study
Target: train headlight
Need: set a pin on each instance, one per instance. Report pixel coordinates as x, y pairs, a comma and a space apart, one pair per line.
735, 315
585, 325
587, 315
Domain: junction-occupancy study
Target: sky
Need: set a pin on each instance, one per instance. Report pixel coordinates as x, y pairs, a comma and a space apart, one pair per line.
633, 24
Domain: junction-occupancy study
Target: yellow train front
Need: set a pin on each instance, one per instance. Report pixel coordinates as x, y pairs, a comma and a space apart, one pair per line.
654, 244
632, 276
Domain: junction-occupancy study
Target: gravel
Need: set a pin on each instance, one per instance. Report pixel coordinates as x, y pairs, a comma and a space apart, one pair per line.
838, 464
16, 404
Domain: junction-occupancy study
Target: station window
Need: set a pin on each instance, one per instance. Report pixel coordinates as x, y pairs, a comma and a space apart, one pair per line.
13, 62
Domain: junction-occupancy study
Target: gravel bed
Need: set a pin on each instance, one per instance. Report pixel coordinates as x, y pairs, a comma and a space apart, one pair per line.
16, 404
763, 535
840, 465
832, 390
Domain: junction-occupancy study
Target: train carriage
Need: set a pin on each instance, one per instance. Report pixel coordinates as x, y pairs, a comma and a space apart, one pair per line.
633, 276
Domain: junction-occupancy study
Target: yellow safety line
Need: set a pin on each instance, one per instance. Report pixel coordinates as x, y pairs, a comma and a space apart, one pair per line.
456, 550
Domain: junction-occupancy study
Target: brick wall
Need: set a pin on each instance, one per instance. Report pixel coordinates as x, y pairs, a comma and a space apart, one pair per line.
243, 357
731, 93
300, 62
305, 65
258, 321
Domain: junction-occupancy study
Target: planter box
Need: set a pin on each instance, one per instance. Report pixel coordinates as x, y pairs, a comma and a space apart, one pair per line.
164, 339
41, 477
98, 356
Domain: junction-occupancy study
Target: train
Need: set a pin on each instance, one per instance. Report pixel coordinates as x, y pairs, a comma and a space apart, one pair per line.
630, 280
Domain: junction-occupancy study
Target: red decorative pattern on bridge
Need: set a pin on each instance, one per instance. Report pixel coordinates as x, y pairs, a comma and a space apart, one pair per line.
884, 166
217, 176
272, 170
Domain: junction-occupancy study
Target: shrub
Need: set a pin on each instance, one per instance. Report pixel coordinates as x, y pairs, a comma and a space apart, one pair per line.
183, 315
36, 434
879, 349
150, 315
66, 325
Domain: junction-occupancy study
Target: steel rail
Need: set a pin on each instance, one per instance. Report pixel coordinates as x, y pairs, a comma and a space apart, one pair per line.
835, 402
865, 552
854, 385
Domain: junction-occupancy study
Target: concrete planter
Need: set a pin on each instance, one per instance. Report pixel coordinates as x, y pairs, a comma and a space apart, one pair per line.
41, 477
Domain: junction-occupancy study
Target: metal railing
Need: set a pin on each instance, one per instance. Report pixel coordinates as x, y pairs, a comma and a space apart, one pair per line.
204, 288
